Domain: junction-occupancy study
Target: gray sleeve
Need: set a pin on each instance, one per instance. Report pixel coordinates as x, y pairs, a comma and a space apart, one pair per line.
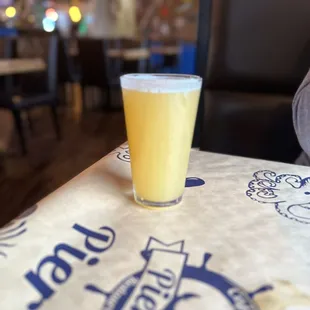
301, 114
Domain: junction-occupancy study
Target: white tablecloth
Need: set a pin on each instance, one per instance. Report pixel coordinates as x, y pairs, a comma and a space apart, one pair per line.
240, 240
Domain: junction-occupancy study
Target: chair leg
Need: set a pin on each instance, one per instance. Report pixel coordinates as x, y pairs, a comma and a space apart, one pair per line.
19, 127
62, 94
77, 101
84, 98
55, 121
108, 98
30, 122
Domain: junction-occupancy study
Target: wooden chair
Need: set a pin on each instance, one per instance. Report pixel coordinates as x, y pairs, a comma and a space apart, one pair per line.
68, 71
36, 90
114, 63
94, 68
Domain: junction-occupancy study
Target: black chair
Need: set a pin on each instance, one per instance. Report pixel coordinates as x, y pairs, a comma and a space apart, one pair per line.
36, 90
8, 50
94, 67
253, 55
68, 68
8, 47
114, 63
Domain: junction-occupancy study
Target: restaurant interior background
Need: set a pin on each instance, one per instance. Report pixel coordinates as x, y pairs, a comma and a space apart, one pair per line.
252, 55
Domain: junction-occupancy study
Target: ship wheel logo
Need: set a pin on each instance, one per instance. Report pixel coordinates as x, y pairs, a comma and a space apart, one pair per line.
168, 282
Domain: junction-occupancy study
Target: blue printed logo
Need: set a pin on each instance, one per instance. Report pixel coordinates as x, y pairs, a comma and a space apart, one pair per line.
55, 269
290, 194
194, 182
10, 233
167, 281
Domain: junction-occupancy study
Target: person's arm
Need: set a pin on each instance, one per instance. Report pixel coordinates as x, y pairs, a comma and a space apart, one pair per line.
301, 114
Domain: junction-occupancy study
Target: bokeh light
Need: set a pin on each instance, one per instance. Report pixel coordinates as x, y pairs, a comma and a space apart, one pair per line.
51, 14
180, 22
75, 14
10, 12
31, 18
48, 24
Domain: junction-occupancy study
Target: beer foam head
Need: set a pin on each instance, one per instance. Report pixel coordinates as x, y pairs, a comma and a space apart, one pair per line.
161, 83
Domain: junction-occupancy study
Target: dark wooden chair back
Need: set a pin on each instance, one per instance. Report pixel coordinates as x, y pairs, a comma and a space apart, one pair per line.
93, 62
44, 46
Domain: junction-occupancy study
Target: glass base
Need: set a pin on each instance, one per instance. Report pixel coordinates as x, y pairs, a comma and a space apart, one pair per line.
157, 205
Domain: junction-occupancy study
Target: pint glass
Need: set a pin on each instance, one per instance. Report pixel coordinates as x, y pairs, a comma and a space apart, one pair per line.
160, 112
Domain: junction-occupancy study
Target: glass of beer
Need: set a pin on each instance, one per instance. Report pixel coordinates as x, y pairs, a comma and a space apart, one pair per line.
160, 112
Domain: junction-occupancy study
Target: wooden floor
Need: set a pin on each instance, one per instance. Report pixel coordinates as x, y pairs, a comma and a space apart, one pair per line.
51, 163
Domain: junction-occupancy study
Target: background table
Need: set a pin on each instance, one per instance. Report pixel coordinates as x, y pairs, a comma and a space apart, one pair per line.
239, 240
19, 66
129, 54
166, 50
143, 53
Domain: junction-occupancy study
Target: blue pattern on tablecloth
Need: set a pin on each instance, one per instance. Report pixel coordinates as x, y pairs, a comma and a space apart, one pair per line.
287, 192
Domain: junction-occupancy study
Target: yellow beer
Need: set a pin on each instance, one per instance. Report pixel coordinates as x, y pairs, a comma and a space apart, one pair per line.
160, 113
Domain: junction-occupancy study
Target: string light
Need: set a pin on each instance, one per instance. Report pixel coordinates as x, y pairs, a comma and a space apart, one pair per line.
75, 14
51, 14
10, 12
48, 24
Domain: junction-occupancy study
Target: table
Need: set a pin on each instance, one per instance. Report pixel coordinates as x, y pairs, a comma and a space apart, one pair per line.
19, 66
240, 240
143, 53
137, 53
166, 50
129, 54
